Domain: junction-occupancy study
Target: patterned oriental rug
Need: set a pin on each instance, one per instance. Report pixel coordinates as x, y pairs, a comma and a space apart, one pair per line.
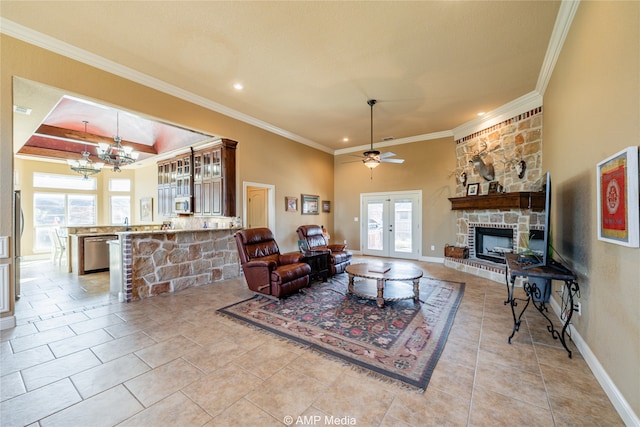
400, 342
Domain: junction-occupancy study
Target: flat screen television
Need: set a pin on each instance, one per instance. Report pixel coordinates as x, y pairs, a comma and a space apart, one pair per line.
542, 256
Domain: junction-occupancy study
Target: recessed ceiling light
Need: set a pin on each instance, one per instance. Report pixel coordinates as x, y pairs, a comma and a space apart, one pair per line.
481, 113
238, 86
345, 139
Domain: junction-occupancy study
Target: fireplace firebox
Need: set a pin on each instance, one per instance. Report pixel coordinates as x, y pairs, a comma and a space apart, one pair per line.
493, 243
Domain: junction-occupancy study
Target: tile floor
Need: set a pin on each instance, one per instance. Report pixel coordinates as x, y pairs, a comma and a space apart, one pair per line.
80, 358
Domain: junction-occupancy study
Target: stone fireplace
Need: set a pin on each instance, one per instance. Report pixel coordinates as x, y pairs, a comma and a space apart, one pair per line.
509, 221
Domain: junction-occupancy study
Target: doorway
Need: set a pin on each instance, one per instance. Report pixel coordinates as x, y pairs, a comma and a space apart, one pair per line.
259, 205
391, 224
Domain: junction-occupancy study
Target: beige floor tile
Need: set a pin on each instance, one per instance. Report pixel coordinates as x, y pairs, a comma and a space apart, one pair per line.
163, 381
97, 323
214, 356
357, 396
79, 342
57, 369
576, 410
218, 390
165, 351
519, 384
460, 352
495, 409
121, 346
175, 410
266, 359
286, 393
433, 408
243, 413
456, 380
12, 386
102, 377
31, 341
105, 409
13, 362
32, 406
56, 322
318, 366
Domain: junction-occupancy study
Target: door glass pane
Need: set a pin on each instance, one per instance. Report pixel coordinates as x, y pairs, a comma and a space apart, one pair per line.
402, 225
375, 225
82, 209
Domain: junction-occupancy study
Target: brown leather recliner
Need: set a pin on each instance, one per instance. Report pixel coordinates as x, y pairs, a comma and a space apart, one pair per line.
339, 257
265, 269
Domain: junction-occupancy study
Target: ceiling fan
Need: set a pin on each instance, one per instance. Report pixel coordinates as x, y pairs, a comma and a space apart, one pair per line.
372, 158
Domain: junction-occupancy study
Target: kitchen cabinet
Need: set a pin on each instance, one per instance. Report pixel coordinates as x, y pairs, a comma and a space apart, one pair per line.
211, 173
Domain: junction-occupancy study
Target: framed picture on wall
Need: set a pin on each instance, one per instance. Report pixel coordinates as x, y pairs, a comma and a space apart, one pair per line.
291, 204
618, 205
310, 204
472, 189
326, 206
146, 209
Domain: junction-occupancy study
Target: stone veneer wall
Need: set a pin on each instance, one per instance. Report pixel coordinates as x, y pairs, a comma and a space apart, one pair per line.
519, 136
168, 261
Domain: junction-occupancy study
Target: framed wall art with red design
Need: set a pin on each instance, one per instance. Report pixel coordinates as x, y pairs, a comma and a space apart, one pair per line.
618, 198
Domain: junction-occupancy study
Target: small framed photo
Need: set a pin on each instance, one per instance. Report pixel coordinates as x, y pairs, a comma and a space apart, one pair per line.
494, 187
618, 204
473, 189
303, 246
146, 209
310, 204
326, 206
291, 204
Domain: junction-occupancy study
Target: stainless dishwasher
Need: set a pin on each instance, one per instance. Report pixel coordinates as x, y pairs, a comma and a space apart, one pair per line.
96, 253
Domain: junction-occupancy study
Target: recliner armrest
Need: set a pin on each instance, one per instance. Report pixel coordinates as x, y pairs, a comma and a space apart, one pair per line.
290, 258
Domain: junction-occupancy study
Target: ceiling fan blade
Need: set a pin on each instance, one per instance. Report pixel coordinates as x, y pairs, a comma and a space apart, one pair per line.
391, 160
387, 154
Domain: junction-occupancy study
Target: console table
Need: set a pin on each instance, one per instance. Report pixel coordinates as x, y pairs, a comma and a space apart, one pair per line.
554, 271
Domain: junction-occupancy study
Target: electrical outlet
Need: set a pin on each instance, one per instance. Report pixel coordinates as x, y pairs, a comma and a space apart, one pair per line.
577, 307
433, 247
345, 241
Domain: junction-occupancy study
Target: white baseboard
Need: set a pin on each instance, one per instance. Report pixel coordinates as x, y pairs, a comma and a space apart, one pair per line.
625, 411
438, 260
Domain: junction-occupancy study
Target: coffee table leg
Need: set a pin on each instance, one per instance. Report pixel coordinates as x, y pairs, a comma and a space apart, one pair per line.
350, 286
380, 298
416, 290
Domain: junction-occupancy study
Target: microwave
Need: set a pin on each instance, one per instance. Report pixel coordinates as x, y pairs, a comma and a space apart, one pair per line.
182, 205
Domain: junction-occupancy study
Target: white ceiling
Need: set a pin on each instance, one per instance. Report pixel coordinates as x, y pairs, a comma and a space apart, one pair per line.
308, 68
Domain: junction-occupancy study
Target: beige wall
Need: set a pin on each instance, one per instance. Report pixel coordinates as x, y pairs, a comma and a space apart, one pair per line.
427, 167
591, 111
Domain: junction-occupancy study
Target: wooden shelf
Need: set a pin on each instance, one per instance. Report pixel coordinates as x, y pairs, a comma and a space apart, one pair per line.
516, 200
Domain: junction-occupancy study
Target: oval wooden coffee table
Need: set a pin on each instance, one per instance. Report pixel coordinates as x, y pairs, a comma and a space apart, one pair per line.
390, 277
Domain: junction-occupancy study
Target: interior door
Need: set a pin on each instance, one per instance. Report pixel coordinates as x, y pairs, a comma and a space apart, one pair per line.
391, 224
257, 207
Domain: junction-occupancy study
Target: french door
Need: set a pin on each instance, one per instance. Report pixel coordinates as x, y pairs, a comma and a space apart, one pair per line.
391, 224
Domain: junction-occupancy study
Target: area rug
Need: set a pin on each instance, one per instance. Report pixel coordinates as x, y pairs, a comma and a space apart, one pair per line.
401, 341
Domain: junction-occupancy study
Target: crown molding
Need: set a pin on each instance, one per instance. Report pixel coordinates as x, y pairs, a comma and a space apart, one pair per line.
399, 141
36, 38
556, 41
518, 106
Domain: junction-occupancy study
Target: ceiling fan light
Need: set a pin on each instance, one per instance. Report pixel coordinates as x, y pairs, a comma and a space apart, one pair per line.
371, 163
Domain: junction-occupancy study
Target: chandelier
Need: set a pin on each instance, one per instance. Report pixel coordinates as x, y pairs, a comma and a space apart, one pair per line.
115, 154
85, 166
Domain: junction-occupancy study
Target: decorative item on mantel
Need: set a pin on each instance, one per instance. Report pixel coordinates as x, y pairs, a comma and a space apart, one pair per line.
460, 252
485, 170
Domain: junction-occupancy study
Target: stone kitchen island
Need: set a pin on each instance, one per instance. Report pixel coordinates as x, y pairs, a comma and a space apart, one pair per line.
157, 262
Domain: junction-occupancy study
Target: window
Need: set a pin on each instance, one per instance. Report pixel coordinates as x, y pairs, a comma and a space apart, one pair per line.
121, 185
120, 209
53, 210
63, 182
